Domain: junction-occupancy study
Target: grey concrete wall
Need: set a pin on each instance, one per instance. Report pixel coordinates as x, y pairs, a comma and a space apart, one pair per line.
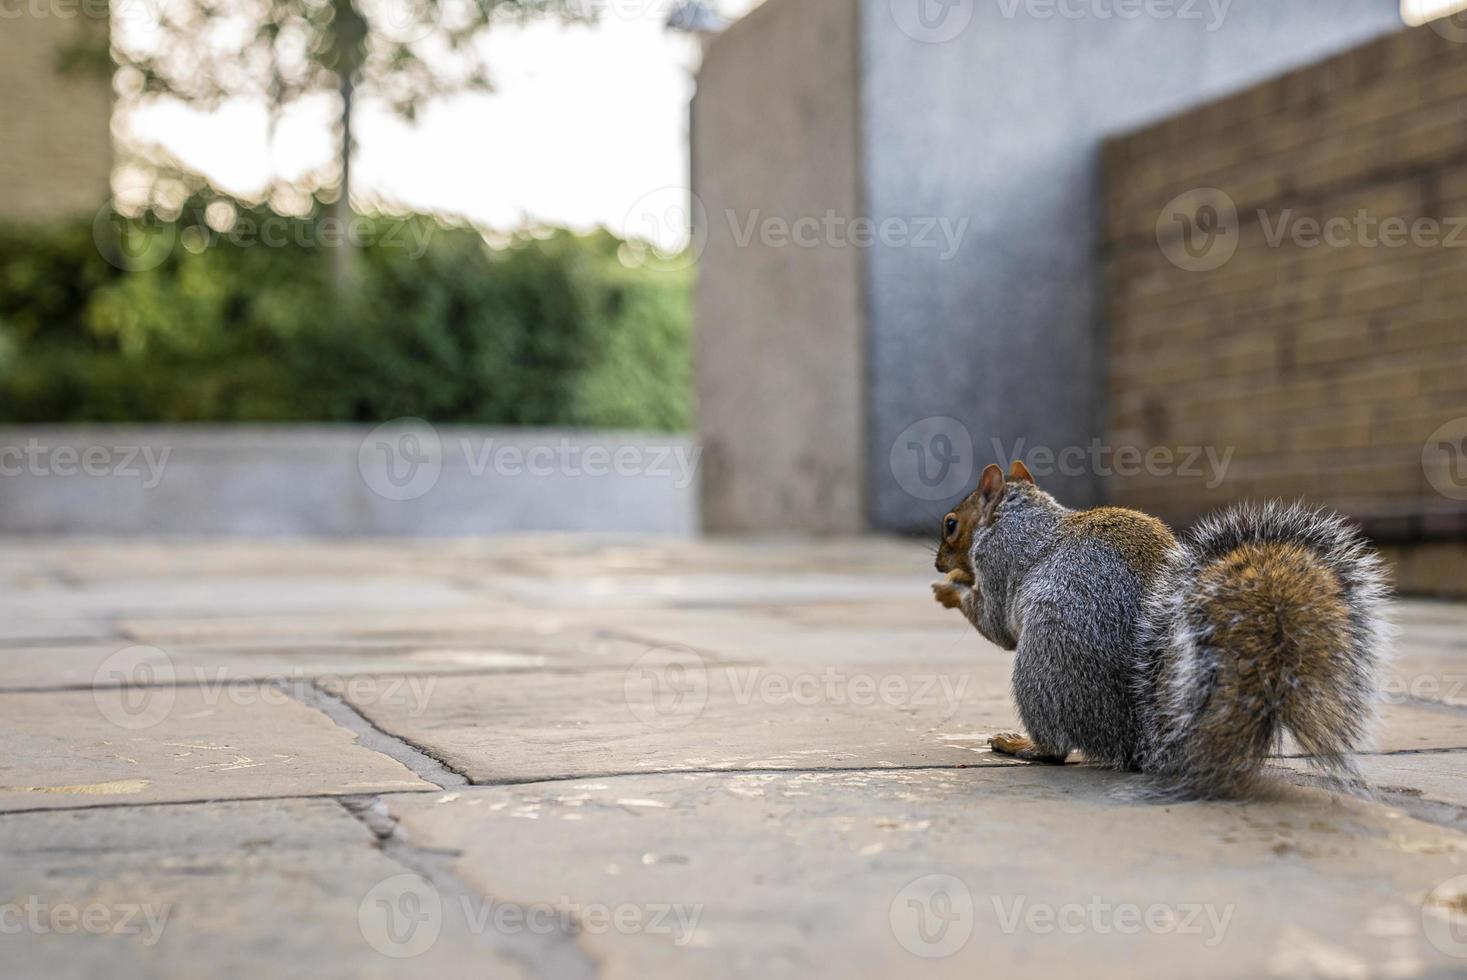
403, 479
993, 111
780, 350
844, 385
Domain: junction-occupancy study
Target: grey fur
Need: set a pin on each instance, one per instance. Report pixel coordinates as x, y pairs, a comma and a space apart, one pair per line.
1117, 661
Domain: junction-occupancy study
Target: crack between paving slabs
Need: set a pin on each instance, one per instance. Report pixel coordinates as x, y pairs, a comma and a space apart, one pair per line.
565, 957
418, 759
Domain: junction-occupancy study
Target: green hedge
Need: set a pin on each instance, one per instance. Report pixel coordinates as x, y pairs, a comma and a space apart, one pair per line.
183, 323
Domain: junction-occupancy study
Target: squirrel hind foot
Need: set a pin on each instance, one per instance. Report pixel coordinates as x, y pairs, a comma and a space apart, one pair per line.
1021, 747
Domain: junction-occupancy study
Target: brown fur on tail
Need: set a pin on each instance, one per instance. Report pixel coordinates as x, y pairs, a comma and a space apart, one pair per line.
1265, 620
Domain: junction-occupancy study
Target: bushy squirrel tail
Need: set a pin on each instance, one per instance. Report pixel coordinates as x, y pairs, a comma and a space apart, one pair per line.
1264, 619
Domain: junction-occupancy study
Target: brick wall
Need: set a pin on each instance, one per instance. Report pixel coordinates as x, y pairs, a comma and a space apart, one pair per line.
55, 131
1322, 334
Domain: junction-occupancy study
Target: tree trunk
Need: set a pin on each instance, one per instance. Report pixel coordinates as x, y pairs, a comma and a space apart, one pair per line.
350, 40
344, 258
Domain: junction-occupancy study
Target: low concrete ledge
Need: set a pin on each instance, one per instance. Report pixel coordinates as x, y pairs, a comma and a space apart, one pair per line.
404, 478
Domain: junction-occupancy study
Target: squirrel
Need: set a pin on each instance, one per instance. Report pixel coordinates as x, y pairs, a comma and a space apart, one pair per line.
1183, 658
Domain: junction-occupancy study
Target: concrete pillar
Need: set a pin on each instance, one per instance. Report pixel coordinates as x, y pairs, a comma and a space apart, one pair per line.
781, 344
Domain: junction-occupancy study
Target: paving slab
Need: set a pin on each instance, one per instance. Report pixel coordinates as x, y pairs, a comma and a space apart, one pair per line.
60, 667
709, 590
225, 594
675, 711
1435, 776
1417, 612
484, 618
114, 746
103, 559
571, 557
1427, 677
238, 889
917, 612
69, 667
828, 645
1013, 871
19, 631
1417, 728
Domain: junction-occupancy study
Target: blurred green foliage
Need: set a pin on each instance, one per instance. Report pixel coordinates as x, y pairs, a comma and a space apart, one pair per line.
182, 322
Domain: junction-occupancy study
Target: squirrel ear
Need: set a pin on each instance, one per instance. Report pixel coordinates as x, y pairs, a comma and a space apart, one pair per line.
990, 492
1019, 472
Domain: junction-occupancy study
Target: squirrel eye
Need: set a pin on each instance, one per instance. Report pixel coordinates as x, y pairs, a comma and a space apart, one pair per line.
950, 526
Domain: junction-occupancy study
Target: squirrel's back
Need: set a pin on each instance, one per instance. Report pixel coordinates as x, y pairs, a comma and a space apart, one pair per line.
1140, 540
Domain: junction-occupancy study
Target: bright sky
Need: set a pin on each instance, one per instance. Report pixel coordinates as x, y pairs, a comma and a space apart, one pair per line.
1421, 11
585, 122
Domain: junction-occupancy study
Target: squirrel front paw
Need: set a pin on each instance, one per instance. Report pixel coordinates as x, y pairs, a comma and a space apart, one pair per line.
951, 590
949, 594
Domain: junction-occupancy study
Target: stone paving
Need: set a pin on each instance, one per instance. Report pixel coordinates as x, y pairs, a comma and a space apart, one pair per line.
572, 757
